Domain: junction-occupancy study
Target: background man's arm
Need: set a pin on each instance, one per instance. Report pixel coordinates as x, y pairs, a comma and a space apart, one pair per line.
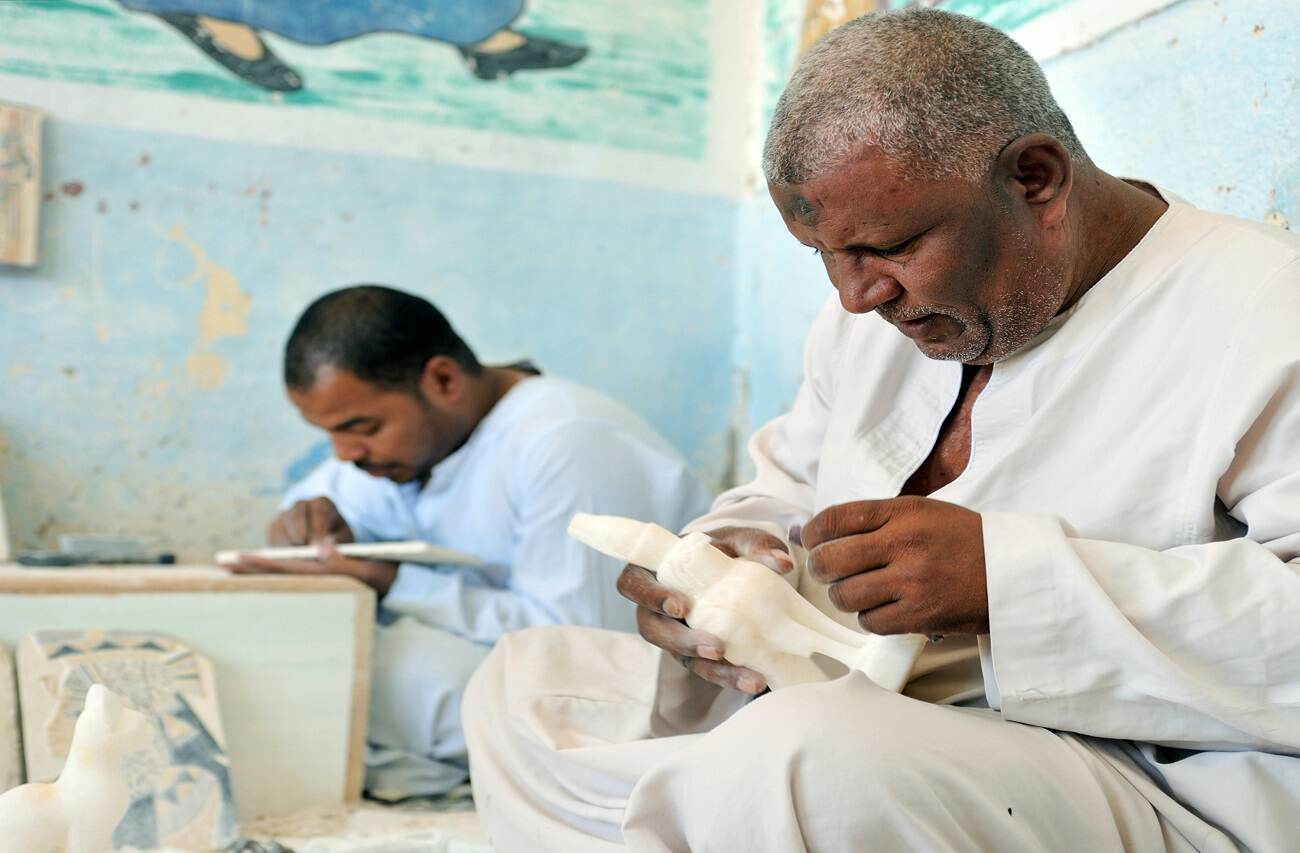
580, 467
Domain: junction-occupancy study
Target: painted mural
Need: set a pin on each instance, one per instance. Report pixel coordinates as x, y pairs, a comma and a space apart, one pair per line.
230, 33
624, 75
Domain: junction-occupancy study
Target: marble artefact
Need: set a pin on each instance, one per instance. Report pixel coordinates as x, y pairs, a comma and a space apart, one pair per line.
11, 750
79, 812
762, 621
180, 794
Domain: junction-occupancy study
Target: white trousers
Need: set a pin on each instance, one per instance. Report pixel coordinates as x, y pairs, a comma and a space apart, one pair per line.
586, 740
418, 677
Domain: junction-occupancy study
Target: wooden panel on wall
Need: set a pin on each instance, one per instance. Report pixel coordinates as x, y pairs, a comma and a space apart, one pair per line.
20, 184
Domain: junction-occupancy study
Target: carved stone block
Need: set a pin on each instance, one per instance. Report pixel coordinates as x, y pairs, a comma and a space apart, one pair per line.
11, 750
180, 786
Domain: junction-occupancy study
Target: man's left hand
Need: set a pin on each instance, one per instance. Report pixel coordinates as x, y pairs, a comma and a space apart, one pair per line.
907, 565
378, 574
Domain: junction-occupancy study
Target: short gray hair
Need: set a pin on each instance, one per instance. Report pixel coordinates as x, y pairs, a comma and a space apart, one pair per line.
940, 93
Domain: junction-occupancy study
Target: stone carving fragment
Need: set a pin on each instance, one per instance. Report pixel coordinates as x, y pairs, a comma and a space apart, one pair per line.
78, 812
763, 622
11, 751
180, 794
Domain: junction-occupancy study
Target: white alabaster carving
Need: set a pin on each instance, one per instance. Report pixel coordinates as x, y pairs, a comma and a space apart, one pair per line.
78, 812
764, 623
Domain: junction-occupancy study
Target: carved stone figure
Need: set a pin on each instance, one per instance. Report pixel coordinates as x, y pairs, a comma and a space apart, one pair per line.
180, 785
78, 813
763, 622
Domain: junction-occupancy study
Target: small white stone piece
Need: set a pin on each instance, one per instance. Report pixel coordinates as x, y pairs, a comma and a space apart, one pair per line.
763, 622
78, 812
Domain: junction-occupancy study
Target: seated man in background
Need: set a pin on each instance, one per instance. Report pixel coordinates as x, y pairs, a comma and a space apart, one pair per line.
1054, 418
493, 461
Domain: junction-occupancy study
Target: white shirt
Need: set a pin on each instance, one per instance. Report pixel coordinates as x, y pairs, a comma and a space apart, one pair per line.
547, 450
1137, 467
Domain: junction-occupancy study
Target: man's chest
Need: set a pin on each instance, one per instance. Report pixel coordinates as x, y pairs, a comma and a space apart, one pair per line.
1117, 456
951, 452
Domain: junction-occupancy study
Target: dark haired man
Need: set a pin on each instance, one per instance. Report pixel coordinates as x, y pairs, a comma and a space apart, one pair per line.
494, 461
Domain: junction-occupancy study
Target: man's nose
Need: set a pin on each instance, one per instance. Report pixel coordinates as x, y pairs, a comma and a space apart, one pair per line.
348, 449
862, 287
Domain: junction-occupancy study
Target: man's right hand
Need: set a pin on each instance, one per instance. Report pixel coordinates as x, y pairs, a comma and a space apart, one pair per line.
308, 522
661, 611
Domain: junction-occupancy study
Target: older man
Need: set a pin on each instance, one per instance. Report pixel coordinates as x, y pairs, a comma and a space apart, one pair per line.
1068, 442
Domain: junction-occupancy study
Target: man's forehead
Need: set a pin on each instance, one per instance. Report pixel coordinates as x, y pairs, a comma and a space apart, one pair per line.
335, 390
868, 191
803, 209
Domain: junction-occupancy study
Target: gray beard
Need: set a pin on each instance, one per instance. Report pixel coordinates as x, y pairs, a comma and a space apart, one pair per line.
990, 337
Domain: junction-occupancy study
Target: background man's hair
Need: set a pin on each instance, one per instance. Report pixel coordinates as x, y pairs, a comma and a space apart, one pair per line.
940, 93
381, 335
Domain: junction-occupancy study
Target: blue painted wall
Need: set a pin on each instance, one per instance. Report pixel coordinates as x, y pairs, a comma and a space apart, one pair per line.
1200, 97
117, 416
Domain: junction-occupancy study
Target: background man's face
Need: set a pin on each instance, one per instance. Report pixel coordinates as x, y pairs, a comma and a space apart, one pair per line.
387, 432
954, 264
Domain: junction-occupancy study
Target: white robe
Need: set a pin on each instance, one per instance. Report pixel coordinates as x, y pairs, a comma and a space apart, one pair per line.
1137, 467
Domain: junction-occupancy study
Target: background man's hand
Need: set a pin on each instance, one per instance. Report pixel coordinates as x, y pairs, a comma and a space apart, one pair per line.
309, 521
660, 610
907, 565
378, 574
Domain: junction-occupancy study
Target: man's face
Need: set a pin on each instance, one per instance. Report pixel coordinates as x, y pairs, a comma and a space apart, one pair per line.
393, 433
956, 265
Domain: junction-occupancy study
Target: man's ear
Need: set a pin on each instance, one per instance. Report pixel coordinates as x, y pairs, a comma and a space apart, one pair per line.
443, 380
1037, 168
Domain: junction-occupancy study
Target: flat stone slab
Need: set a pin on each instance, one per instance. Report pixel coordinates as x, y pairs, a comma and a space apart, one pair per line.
180, 785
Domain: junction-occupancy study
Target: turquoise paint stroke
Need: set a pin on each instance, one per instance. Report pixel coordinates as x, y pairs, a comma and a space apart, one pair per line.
643, 87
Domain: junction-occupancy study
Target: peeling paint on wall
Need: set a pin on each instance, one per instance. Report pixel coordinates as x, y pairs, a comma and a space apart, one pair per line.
224, 314
1273, 217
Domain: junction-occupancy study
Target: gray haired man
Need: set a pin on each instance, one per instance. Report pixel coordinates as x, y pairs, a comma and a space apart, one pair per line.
1079, 464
